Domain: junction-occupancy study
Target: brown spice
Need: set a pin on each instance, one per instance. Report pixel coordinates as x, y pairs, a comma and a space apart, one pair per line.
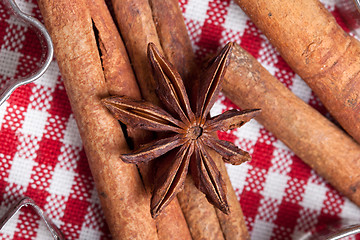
318, 142
318, 49
191, 132
175, 41
204, 221
137, 29
120, 80
233, 224
199, 213
121, 192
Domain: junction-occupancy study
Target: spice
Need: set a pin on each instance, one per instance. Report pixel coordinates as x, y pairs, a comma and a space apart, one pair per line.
200, 215
72, 27
191, 135
135, 21
311, 41
318, 142
204, 221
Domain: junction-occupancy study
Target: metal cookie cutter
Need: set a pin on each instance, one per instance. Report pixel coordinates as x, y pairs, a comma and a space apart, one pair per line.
46, 44
26, 201
334, 231
350, 12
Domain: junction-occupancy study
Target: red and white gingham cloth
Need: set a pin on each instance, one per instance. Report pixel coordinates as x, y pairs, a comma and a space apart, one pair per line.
41, 154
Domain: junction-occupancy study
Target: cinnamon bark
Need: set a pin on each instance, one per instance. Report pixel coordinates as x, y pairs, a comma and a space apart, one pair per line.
135, 20
200, 215
172, 33
232, 225
316, 47
123, 197
174, 39
137, 30
118, 73
171, 223
120, 80
317, 141
177, 47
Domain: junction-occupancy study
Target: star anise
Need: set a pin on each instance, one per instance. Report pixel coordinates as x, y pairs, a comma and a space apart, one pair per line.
189, 134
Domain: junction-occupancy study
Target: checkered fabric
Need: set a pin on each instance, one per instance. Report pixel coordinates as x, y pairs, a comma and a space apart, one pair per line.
41, 154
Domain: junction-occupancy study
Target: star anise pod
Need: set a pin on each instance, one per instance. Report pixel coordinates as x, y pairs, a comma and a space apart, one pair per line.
190, 133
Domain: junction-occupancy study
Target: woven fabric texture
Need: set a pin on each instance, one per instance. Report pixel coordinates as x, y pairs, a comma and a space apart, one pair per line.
41, 153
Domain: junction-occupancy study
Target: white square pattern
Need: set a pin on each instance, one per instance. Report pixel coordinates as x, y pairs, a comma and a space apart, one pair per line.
89, 233
34, 122
301, 89
236, 19
262, 229
314, 196
350, 211
71, 134
8, 62
61, 182
249, 131
275, 185
43, 232
218, 107
196, 10
21, 170
237, 175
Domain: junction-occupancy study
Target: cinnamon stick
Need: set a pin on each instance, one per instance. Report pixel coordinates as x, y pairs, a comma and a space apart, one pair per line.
171, 223
118, 73
316, 47
233, 225
317, 141
200, 215
174, 39
125, 202
136, 36
137, 30
177, 47
120, 80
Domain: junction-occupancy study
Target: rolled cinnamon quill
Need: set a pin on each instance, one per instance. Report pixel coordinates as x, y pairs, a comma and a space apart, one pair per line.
232, 225
174, 39
123, 198
316, 47
136, 36
120, 80
176, 43
317, 141
171, 223
118, 73
137, 30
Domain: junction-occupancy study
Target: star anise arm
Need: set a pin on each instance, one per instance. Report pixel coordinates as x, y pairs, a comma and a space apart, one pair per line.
207, 178
153, 150
169, 180
170, 87
230, 119
141, 114
230, 153
213, 77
